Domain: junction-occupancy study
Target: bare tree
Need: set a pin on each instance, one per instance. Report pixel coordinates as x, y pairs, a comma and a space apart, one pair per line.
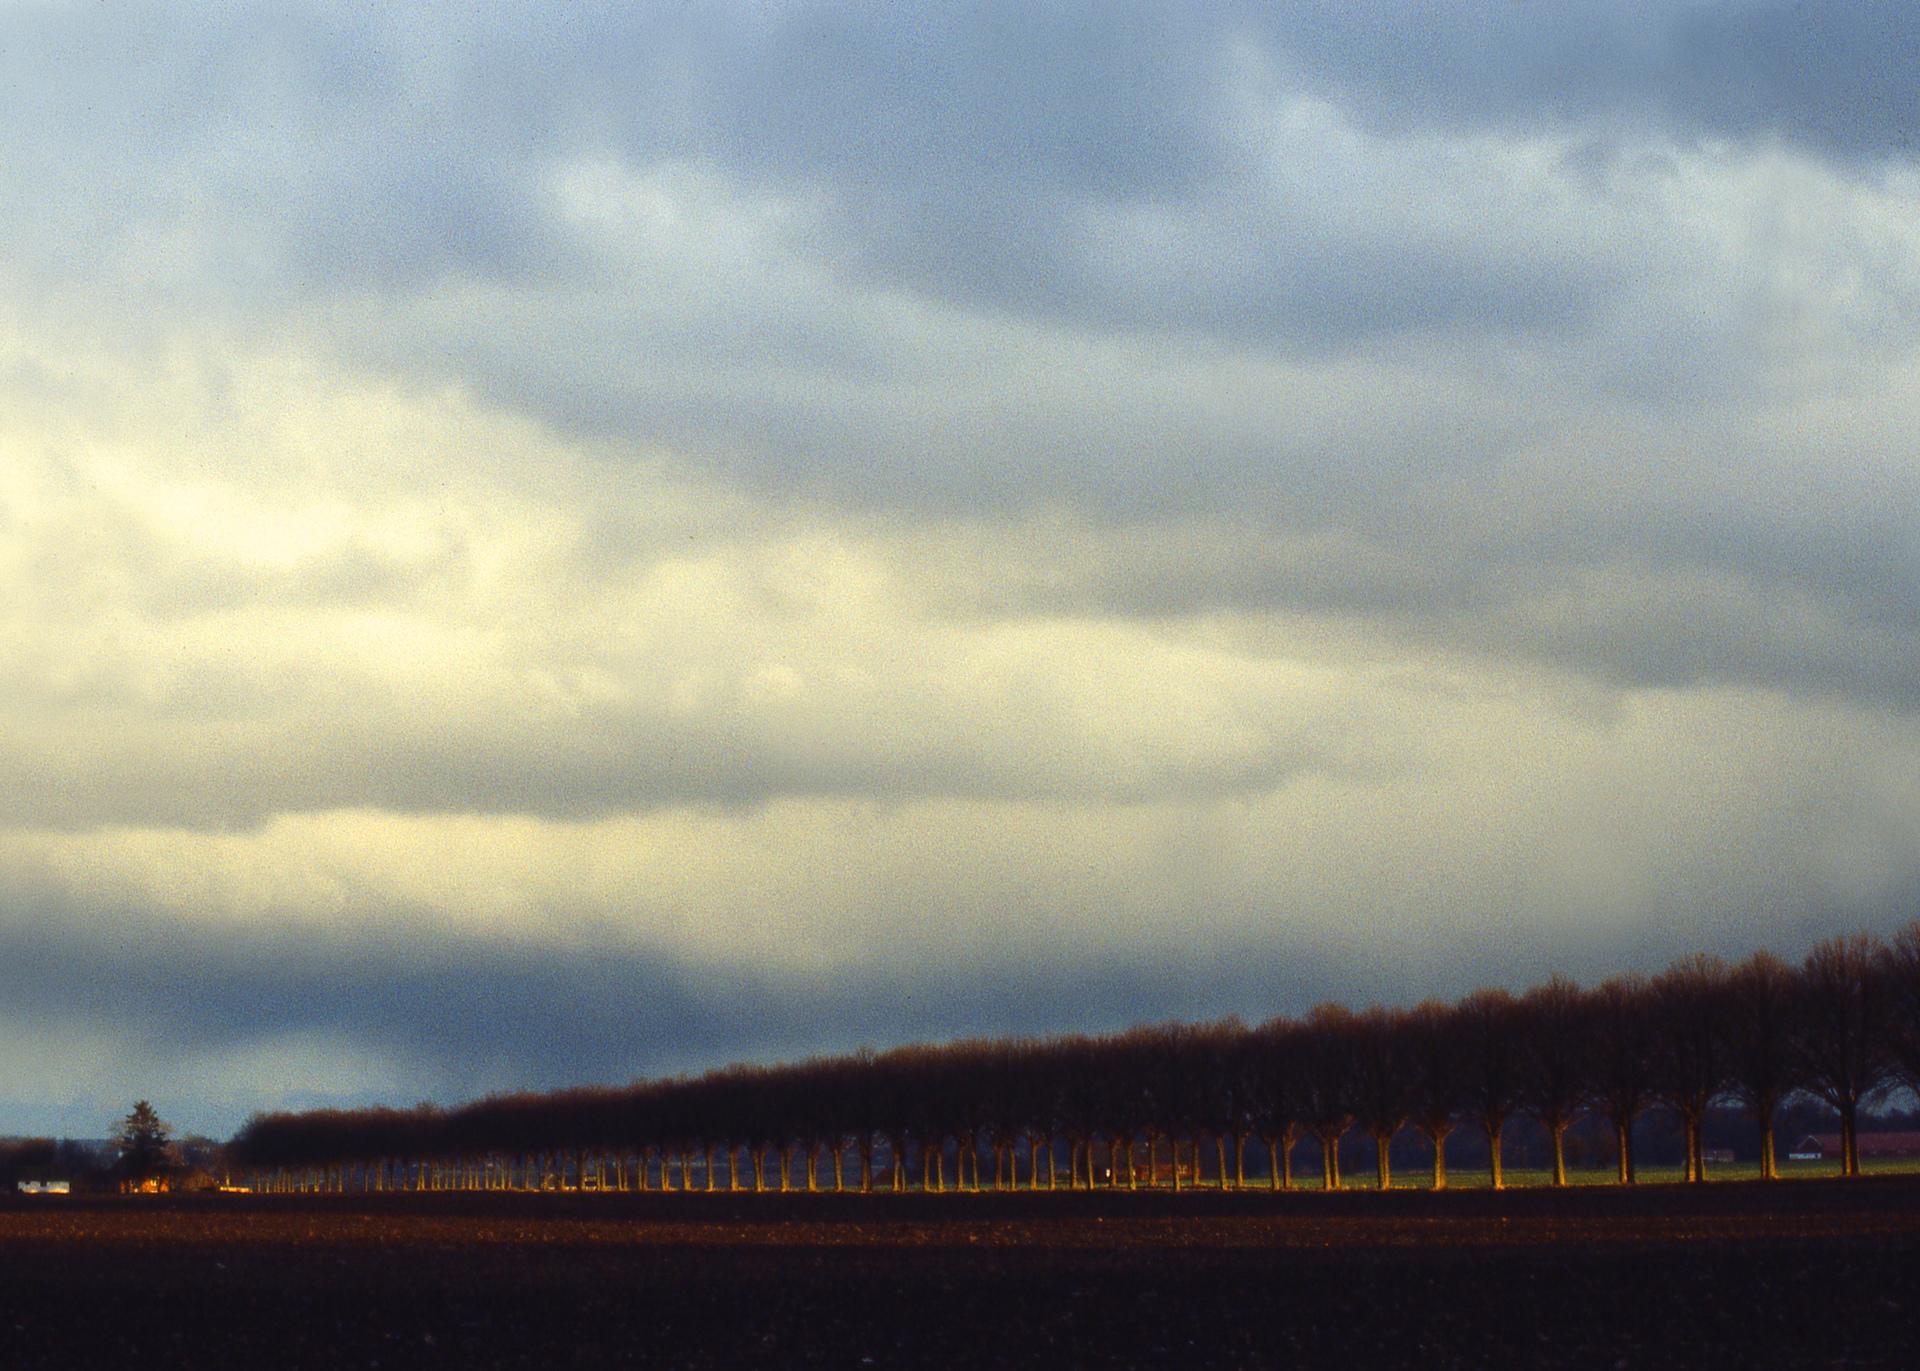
1494, 1071
1760, 1058
1381, 1096
1220, 1103
1900, 975
1278, 1094
1620, 1036
1556, 1058
1689, 1004
1435, 1080
1327, 1049
1841, 1025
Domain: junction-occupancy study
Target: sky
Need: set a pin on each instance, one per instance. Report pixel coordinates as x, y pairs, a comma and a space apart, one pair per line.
546, 544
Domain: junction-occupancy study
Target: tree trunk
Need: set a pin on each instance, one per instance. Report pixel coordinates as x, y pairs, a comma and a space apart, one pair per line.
1623, 1139
1273, 1163
1439, 1141
1329, 1163
1496, 1175
1220, 1155
1769, 1167
1382, 1163
1558, 1130
1849, 1138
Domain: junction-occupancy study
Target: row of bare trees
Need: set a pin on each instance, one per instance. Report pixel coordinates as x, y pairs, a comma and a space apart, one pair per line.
1842, 1027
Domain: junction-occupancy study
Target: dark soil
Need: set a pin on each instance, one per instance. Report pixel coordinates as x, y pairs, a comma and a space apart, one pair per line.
1806, 1274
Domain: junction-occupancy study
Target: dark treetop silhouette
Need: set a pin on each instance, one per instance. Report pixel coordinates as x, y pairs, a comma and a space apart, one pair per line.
1840, 1028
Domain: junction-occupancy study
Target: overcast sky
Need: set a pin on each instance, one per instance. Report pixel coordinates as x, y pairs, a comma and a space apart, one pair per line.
574, 542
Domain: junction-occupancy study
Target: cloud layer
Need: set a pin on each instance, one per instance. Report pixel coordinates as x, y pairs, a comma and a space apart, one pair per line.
847, 522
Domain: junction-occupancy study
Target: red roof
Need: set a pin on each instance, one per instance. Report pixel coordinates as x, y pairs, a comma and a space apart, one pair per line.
1871, 1144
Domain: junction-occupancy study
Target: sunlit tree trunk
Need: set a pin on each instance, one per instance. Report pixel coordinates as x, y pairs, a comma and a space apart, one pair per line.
1623, 1140
1436, 1134
1696, 1170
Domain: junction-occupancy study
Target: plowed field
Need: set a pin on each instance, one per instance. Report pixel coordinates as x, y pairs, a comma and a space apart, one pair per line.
1808, 1273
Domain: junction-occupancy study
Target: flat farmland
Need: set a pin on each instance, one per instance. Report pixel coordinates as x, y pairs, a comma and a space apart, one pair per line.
1804, 1273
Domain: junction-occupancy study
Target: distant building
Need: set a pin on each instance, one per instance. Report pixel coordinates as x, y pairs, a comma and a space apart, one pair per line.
44, 1187
174, 1178
1825, 1147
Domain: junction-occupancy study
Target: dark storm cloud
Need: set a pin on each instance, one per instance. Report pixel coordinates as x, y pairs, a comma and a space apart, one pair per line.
463, 1016
1834, 77
356, 148
456, 1016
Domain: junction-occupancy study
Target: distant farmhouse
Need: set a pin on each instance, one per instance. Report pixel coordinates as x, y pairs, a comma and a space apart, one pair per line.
42, 1181
171, 1180
1825, 1147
